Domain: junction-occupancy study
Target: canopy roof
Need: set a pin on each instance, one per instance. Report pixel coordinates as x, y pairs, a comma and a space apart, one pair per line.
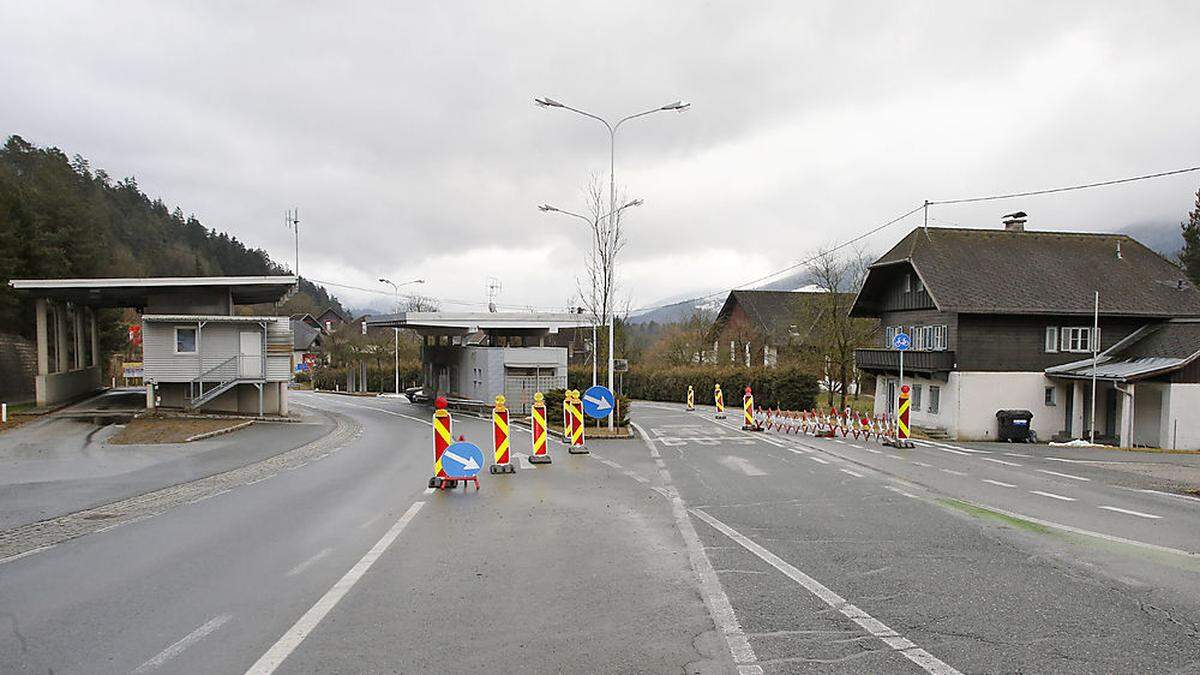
135, 291
1157, 349
463, 323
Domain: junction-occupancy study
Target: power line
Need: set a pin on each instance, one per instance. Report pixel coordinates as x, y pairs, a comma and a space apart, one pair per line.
390, 294
1085, 186
802, 263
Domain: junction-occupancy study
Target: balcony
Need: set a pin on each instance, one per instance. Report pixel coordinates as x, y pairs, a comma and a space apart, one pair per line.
888, 361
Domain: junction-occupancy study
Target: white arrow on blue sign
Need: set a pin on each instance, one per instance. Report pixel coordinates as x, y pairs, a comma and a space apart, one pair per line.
902, 341
598, 402
462, 460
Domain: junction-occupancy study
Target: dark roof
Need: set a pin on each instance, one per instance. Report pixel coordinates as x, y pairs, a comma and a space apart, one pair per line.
344, 317
1151, 351
303, 335
769, 311
1003, 272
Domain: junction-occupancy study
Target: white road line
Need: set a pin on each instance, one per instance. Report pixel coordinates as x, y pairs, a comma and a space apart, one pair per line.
951, 450
1062, 475
305, 625
1139, 514
430, 490
855, 445
1151, 492
952, 471
901, 492
741, 464
852, 473
838, 440
877, 452
715, 599
24, 554
996, 482
818, 459
896, 457
922, 464
959, 448
891, 638
999, 461
1052, 495
184, 642
308, 563
1016, 454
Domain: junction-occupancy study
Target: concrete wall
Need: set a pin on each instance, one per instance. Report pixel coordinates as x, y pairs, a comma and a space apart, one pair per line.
59, 387
1147, 408
242, 399
18, 368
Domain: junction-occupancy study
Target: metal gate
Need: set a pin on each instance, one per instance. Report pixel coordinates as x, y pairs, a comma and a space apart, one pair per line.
519, 389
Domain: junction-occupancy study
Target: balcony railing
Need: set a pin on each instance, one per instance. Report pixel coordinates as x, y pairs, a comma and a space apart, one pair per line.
918, 362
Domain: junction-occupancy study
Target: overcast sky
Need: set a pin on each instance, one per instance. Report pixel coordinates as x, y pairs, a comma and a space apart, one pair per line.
407, 136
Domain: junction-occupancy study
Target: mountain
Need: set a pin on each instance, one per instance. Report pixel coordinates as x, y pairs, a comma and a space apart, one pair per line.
61, 218
675, 309
1163, 237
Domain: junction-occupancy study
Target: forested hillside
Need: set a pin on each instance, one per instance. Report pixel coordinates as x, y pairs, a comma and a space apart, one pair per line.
59, 217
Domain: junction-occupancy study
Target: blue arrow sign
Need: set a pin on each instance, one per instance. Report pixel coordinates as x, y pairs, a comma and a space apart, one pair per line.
902, 341
462, 460
598, 402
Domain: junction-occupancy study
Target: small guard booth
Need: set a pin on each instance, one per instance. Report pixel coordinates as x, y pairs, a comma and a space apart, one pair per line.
201, 351
475, 356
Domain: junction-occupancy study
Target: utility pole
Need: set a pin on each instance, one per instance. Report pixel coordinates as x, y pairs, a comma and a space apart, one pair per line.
291, 220
1093, 338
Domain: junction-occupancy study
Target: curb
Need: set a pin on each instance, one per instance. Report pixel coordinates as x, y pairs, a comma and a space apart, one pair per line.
218, 432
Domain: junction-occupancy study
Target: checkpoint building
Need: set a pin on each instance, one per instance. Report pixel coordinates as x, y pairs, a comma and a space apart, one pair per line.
201, 351
477, 355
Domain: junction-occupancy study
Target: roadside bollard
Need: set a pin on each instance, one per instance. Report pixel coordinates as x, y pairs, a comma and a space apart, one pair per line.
577, 446
902, 420
500, 462
748, 410
442, 439
691, 399
538, 422
719, 400
566, 410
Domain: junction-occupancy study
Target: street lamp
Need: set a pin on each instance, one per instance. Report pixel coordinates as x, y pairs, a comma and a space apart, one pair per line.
395, 330
677, 106
546, 208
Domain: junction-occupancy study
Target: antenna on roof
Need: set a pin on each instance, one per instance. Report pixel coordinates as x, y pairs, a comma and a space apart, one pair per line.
493, 290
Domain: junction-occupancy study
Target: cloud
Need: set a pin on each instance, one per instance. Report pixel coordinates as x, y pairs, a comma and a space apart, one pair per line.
406, 133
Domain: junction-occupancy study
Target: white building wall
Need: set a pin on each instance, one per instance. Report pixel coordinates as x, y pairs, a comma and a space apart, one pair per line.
1147, 406
1181, 424
978, 395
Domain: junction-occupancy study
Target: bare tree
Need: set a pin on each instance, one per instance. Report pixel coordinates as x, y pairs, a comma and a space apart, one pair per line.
421, 303
833, 334
597, 287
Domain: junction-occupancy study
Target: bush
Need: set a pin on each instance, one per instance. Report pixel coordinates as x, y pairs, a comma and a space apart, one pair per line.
554, 400
379, 379
788, 388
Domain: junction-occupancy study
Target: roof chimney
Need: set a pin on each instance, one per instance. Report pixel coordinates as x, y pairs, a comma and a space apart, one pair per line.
1014, 222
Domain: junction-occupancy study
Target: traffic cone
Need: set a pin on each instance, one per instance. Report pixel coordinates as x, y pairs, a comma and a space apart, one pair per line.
500, 463
442, 438
541, 454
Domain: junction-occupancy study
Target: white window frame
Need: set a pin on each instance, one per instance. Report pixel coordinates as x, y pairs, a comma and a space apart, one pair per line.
940, 336
195, 339
1076, 339
1051, 339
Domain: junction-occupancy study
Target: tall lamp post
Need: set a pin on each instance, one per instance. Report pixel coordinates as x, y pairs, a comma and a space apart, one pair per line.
396, 331
677, 106
546, 208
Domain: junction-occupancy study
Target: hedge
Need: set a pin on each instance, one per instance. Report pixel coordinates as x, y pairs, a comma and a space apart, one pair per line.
379, 379
554, 399
787, 388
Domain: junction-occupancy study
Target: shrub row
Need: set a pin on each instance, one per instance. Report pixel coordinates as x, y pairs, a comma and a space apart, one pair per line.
787, 388
554, 399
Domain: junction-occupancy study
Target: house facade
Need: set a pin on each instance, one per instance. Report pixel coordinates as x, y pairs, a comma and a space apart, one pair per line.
1002, 319
759, 328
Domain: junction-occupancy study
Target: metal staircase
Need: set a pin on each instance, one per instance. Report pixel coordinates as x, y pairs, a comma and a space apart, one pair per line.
215, 381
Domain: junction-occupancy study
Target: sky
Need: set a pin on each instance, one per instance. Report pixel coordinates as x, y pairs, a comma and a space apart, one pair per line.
407, 136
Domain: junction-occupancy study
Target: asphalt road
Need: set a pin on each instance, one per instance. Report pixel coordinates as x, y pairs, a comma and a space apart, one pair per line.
699, 548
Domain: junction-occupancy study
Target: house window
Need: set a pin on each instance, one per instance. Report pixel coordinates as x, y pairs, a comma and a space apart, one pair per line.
1051, 339
889, 334
1051, 395
1076, 339
935, 396
939, 337
916, 397
185, 340
917, 285
908, 283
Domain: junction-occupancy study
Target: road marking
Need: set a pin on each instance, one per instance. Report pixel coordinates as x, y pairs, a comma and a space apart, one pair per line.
899, 491
430, 490
742, 464
956, 473
959, 448
1016, 454
1081, 461
877, 452
1062, 475
818, 459
23, 554
896, 457
951, 450
184, 642
999, 461
1152, 492
1052, 495
891, 638
855, 445
308, 563
715, 599
996, 482
1139, 514
305, 625
838, 440
928, 466
852, 473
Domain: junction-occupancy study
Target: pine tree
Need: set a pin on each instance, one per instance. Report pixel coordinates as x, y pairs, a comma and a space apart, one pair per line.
1189, 257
